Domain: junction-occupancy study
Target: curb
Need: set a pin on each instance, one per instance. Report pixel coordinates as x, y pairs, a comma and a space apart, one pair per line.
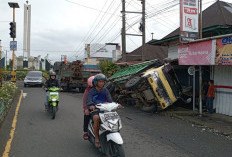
197, 123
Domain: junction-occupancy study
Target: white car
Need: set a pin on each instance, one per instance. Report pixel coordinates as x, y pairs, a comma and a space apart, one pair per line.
34, 78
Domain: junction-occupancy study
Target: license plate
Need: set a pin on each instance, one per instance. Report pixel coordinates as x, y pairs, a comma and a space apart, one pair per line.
53, 93
111, 116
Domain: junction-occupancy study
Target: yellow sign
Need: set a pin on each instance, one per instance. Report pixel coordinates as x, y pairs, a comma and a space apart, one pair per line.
224, 51
13, 76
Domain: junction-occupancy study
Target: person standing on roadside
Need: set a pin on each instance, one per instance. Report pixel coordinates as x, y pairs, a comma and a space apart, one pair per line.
205, 91
210, 97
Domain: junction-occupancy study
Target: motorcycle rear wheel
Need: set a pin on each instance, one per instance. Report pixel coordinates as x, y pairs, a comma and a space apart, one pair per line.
116, 150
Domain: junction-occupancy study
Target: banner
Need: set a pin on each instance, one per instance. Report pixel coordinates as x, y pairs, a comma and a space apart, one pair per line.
199, 53
224, 51
188, 20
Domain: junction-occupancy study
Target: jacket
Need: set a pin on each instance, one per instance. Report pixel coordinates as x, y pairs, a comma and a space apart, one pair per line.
95, 97
51, 82
211, 91
85, 97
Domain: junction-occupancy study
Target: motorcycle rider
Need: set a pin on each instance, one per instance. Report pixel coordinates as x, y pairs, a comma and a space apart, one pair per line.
50, 83
86, 110
98, 94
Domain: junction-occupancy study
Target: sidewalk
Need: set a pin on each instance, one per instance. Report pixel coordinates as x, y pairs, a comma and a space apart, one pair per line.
217, 123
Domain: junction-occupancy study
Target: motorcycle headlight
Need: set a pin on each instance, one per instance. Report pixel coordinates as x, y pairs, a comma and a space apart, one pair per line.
53, 99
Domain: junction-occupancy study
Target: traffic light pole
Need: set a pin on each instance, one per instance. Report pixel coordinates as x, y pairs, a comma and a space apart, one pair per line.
13, 73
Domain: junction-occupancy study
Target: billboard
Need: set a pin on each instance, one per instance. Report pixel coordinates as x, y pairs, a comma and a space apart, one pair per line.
199, 53
224, 51
188, 20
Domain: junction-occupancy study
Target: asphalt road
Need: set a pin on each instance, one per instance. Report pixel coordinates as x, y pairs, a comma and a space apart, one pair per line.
144, 134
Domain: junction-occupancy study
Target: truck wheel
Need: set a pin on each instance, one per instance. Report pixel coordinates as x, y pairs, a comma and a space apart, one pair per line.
150, 108
133, 83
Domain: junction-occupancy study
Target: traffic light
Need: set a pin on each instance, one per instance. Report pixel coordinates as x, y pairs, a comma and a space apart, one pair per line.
13, 29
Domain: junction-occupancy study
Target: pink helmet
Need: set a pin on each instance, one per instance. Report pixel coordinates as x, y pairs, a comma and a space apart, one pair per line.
90, 81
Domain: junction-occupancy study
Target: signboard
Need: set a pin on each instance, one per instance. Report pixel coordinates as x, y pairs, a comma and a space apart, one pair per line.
188, 20
191, 70
199, 53
13, 45
224, 51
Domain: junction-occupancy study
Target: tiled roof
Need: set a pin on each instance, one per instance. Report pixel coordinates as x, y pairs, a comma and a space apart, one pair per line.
152, 52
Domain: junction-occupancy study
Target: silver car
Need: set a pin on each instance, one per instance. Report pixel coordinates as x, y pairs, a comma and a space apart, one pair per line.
34, 78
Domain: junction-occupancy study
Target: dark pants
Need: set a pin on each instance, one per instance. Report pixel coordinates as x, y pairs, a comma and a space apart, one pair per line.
86, 122
209, 105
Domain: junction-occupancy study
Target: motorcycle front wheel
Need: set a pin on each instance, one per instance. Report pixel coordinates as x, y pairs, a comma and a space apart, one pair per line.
116, 150
53, 112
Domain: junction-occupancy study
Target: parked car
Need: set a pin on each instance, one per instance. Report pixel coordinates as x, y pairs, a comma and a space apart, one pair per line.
34, 78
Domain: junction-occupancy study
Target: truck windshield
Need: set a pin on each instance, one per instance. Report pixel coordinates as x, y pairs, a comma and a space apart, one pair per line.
172, 79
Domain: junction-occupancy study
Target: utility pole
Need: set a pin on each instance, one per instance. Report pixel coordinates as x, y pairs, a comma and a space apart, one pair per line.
200, 68
6, 61
13, 73
123, 31
143, 31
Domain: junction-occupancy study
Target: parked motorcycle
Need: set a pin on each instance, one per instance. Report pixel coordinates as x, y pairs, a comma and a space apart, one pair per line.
53, 100
110, 125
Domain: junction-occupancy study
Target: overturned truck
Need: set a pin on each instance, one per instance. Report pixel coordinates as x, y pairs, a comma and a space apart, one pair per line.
150, 85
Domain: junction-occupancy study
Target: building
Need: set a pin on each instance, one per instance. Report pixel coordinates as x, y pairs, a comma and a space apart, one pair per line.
216, 21
34, 63
94, 53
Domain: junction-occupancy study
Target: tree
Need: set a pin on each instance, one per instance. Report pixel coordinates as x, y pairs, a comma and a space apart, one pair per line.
108, 68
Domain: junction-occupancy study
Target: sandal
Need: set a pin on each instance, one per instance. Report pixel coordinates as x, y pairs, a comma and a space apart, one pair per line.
85, 136
97, 144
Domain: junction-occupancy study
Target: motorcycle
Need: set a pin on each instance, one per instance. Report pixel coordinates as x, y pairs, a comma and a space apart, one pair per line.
53, 100
110, 125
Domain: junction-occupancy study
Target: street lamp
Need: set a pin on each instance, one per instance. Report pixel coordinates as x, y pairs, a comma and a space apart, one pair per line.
13, 73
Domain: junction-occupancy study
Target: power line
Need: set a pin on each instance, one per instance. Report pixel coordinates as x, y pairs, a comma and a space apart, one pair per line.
88, 36
90, 7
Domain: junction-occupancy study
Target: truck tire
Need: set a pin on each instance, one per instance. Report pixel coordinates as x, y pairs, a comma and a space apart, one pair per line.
151, 108
133, 83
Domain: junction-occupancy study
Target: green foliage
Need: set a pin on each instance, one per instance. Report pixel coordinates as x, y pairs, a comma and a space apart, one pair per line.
20, 74
108, 68
7, 91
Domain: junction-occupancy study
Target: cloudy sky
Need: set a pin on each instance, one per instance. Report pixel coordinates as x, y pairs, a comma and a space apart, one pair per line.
63, 27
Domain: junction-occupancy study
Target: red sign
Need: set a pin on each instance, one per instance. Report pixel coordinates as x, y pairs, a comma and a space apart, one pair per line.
188, 20
201, 53
188, 10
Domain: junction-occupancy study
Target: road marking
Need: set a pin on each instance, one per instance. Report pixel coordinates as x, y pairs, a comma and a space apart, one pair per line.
12, 132
24, 95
